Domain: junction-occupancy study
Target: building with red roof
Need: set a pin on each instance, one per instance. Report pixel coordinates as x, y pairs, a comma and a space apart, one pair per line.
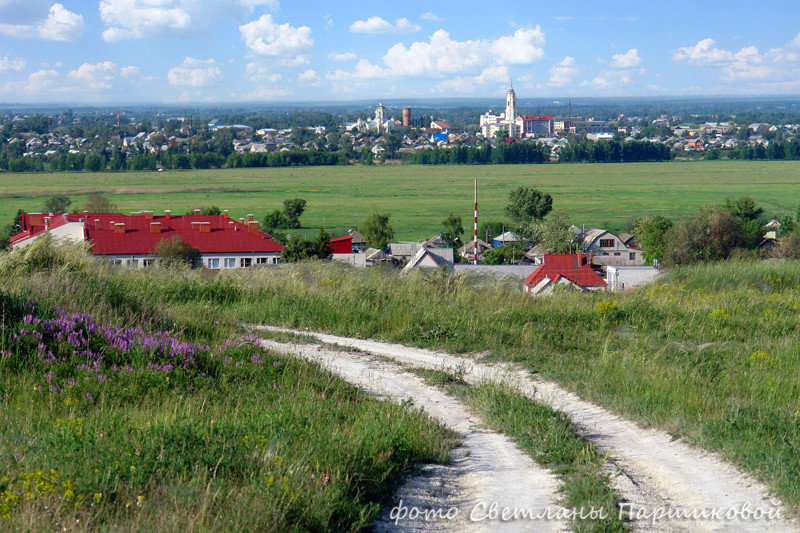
535, 125
131, 239
564, 269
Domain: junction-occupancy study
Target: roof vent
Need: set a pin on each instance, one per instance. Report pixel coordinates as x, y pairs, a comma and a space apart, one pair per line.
196, 211
250, 217
119, 227
225, 214
167, 214
155, 227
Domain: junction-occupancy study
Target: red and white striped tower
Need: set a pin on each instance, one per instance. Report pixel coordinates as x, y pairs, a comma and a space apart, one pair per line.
475, 241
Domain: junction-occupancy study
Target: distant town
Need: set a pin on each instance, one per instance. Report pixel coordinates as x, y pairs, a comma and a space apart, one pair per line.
70, 141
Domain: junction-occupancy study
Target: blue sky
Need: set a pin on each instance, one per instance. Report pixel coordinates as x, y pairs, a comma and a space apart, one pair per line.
132, 51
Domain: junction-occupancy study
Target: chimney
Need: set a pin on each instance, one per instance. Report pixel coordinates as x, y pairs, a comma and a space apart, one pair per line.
591, 258
111, 224
119, 227
196, 211
225, 214
148, 215
250, 217
47, 223
204, 227
241, 220
97, 223
253, 226
167, 214
155, 227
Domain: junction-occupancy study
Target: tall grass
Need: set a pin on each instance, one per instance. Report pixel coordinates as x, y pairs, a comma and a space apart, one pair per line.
106, 427
711, 352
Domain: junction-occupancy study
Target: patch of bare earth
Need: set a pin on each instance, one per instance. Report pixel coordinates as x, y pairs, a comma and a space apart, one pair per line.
486, 469
665, 484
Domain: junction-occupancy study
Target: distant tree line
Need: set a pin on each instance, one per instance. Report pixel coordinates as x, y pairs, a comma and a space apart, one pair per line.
614, 152
776, 150
503, 153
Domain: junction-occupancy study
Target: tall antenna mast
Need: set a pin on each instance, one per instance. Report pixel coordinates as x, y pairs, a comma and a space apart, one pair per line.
569, 117
475, 241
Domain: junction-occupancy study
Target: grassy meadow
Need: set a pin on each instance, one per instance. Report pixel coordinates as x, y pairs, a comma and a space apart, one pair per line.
419, 197
710, 353
111, 426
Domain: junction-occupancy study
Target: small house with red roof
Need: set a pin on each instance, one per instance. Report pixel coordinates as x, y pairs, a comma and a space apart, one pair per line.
130, 240
564, 269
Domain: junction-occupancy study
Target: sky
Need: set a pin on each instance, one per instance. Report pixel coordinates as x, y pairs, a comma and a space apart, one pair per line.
196, 51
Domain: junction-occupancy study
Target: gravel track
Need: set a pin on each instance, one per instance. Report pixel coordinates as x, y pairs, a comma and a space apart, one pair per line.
654, 473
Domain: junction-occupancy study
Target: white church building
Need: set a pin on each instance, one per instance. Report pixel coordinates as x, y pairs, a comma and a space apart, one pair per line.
379, 124
492, 122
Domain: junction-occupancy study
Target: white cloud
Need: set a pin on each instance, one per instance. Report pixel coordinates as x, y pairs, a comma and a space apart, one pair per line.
137, 19
563, 73
430, 16
11, 63
40, 81
703, 53
629, 59
95, 77
343, 56
748, 64
267, 38
129, 72
309, 77
521, 48
259, 72
195, 73
377, 25
59, 24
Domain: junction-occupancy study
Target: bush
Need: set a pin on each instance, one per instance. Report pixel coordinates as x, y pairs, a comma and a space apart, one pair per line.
712, 234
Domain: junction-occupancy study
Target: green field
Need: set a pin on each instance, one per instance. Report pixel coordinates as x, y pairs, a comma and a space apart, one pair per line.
419, 197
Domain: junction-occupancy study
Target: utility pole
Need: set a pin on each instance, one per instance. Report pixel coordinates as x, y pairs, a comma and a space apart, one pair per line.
475, 241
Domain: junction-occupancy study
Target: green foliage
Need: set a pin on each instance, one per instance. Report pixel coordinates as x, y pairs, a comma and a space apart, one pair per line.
377, 231
293, 208
490, 229
712, 234
651, 235
275, 220
97, 203
528, 205
553, 233
452, 230
510, 253
176, 250
57, 204
300, 249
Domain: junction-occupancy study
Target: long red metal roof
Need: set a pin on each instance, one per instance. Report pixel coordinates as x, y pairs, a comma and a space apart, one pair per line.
574, 267
139, 233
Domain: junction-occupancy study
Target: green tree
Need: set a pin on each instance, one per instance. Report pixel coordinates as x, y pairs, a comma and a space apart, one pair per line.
175, 250
711, 234
275, 220
452, 230
507, 254
57, 204
94, 162
300, 249
750, 216
97, 203
528, 205
293, 209
651, 235
377, 231
553, 233
490, 229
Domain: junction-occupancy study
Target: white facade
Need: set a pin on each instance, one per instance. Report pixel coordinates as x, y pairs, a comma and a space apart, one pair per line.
620, 278
210, 261
491, 123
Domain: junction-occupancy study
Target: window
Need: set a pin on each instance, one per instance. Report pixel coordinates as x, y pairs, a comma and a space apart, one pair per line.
230, 262
606, 243
213, 262
616, 253
115, 262
246, 262
147, 262
632, 256
261, 260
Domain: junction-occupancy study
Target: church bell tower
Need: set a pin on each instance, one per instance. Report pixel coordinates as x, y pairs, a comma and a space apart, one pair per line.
511, 104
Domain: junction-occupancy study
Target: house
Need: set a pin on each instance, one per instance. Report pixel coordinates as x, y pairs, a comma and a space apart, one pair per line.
468, 250
130, 240
377, 257
430, 258
440, 126
564, 269
359, 242
404, 250
341, 245
607, 248
620, 278
506, 237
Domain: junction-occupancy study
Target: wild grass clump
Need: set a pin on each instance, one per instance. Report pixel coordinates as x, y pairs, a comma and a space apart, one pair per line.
109, 427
